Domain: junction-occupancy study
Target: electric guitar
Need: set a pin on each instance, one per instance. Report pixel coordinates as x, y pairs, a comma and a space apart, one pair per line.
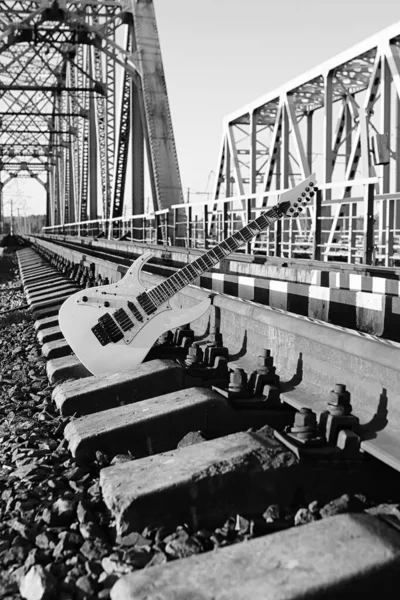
111, 328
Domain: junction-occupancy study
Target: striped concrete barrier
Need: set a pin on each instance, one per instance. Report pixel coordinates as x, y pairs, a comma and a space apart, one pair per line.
368, 312
328, 275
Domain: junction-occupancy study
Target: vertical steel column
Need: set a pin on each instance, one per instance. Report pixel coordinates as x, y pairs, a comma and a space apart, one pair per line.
159, 135
278, 223
316, 225
328, 97
384, 205
253, 151
253, 167
369, 189
137, 145
348, 118
368, 224
72, 213
385, 117
397, 147
92, 150
284, 178
310, 138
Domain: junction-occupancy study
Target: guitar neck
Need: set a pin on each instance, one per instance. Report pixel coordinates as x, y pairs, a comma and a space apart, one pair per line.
204, 263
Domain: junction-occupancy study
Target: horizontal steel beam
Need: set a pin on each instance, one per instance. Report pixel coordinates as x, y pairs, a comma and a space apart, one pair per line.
50, 88
40, 114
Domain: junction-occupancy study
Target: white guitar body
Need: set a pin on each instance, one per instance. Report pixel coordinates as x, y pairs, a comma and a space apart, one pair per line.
77, 317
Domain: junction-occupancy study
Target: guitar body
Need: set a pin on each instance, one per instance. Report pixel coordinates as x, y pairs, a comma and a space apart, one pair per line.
77, 317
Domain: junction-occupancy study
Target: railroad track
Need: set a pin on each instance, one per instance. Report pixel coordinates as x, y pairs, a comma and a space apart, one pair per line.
209, 443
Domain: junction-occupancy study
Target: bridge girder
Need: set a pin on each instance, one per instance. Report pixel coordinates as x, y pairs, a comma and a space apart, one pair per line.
341, 120
61, 64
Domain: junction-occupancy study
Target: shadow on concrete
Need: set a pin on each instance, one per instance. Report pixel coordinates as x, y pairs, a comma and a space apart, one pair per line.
289, 386
242, 350
379, 421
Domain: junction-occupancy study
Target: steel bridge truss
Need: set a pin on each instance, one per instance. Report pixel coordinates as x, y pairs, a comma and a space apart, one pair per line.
342, 121
82, 87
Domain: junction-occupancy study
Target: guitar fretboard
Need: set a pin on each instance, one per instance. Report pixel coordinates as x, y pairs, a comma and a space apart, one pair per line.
204, 263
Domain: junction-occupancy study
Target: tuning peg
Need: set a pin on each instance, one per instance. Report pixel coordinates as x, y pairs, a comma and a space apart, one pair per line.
295, 214
300, 209
307, 189
311, 194
311, 184
303, 194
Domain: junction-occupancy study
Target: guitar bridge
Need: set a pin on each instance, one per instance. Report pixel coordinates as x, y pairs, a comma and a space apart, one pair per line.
101, 334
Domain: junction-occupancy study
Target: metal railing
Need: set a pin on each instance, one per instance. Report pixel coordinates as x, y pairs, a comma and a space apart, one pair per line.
334, 229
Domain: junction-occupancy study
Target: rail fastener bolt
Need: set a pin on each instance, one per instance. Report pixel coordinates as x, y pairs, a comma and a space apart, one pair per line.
238, 383
215, 348
338, 417
166, 339
339, 401
194, 356
305, 428
264, 375
183, 336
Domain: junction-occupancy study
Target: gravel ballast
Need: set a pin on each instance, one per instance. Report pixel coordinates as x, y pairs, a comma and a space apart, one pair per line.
56, 537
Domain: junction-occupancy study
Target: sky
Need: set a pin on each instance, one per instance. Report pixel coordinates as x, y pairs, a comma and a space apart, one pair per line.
221, 54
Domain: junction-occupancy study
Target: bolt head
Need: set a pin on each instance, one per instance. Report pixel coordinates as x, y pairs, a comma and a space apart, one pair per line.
195, 350
237, 377
305, 417
339, 396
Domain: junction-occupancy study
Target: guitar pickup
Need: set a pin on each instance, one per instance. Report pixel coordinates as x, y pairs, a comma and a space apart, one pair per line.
136, 313
101, 334
112, 329
123, 320
148, 305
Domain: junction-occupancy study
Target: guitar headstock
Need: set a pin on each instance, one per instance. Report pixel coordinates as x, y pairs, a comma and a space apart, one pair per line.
294, 201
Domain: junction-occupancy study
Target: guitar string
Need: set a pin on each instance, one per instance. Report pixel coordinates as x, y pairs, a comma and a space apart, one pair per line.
154, 296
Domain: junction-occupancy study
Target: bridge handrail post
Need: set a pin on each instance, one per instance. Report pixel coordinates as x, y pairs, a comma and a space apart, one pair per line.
159, 233
225, 220
248, 219
205, 225
389, 233
278, 238
368, 246
189, 228
317, 226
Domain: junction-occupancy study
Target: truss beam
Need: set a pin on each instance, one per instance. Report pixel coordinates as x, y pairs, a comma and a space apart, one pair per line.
58, 64
339, 120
